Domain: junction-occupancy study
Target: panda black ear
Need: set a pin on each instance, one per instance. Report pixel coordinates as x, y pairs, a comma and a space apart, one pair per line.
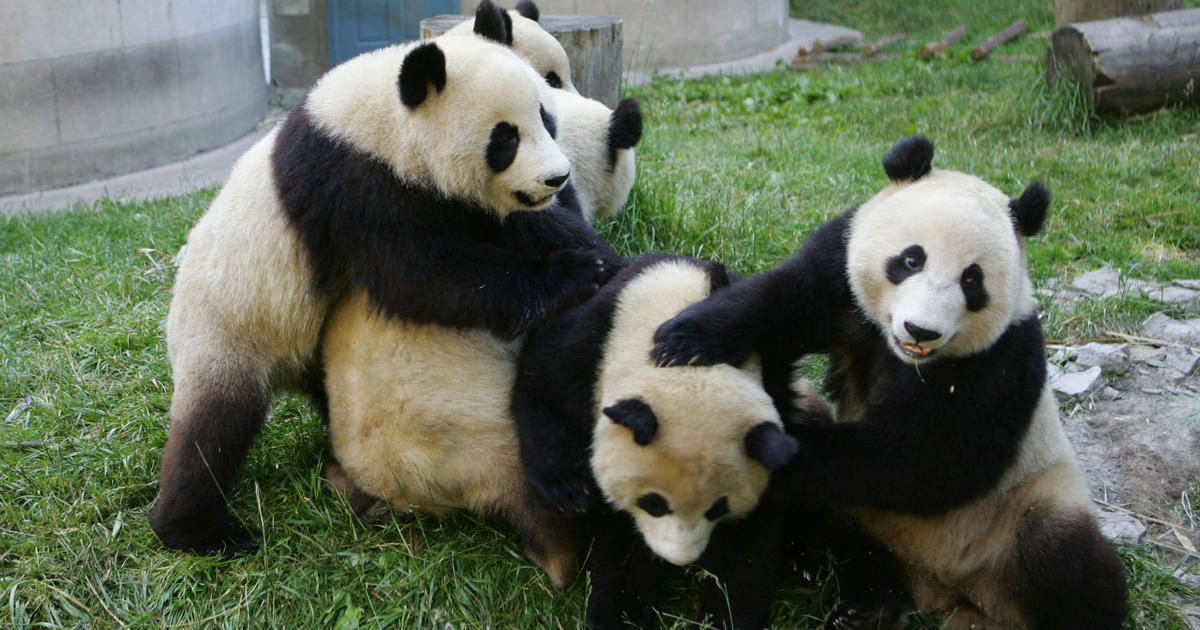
624, 128
493, 23
425, 64
527, 9
636, 416
767, 443
1029, 210
909, 160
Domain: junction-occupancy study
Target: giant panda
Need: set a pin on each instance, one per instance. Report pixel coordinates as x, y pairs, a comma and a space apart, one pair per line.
652, 459
532, 42
418, 414
599, 143
947, 441
394, 177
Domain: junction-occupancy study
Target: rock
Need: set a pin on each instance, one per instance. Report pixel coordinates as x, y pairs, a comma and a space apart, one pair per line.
1104, 282
1191, 614
1076, 384
1183, 360
1121, 528
1053, 371
1160, 326
1187, 298
1143, 354
1187, 284
1190, 580
1112, 358
1062, 355
1108, 393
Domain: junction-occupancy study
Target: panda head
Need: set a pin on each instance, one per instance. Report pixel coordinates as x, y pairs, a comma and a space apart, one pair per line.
686, 449
599, 143
935, 260
532, 43
463, 115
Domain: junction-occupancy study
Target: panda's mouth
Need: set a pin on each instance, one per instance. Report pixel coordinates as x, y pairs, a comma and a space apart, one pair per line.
913, 350
529, 200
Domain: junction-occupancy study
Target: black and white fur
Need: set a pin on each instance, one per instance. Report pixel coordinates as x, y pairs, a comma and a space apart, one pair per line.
599, 143
531, 42
658, 460
394, 177
947, 439
419, 413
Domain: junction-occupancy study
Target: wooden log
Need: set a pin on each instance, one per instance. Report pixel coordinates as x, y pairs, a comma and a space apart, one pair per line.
1070, 11
1130, 65
875, 47
944, 44
824, 45
593, 44
990, 43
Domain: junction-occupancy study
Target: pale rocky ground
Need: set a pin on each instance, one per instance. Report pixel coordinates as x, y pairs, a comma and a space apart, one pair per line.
1131, 407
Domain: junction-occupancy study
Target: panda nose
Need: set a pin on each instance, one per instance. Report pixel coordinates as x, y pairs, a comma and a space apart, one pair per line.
557, 181
921, 334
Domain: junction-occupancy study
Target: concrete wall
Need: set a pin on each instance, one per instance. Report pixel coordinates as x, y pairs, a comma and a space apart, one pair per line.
675, 33
97, 87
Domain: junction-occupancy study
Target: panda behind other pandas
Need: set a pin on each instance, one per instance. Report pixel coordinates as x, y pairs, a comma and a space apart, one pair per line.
673, 452
599, 143
395, 178
532, 43
947, 438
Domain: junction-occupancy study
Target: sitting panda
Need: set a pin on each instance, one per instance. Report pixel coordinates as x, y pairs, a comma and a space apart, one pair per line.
672, 453
394, 178
456, 449
531, 42
947, 439
599, 143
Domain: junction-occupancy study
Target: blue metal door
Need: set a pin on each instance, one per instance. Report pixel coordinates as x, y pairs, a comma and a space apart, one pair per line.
356, 26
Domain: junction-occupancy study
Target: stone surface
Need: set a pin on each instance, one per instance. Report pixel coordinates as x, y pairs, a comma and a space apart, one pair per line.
1103, 282
1161, 326
1182, 360
1121, 528
1111, 358
1141, 354
1108, 393
1076, 384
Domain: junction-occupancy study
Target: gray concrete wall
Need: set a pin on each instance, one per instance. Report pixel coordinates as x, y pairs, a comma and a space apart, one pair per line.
675, 33
299, 42
98, 87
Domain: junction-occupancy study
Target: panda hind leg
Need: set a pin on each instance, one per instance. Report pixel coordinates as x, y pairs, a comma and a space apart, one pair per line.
369, 508
214, 418
1065, 575
553, 541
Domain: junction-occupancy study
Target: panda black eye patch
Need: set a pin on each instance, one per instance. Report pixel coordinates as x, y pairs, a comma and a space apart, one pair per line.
907, 263
973, 289
719, 508
654, 504
502, 148
548, 121
553, 80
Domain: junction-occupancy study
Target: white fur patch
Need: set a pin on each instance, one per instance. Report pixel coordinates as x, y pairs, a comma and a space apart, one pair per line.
583, 126
698, 454
958, 220
533, 44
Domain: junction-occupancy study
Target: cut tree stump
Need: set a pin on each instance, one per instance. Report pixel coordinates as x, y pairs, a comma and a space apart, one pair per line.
593, 44
1071, 11
990, 43
944, 44
1130, 65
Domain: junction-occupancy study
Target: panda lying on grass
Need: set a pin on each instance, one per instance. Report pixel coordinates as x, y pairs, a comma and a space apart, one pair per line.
947, 440
397, 178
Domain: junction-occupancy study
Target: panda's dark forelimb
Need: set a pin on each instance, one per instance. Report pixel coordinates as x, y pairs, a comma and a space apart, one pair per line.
760, 313
421, 256
932, 442
212, 427
625, 576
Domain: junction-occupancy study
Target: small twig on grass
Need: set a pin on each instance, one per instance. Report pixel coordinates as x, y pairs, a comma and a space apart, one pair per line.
1149, 341
805, 62
1175, 528
1008, 34
875, 47
944, 44
823, 45
22, 405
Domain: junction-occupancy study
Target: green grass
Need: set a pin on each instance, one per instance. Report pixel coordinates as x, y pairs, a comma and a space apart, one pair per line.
737, 169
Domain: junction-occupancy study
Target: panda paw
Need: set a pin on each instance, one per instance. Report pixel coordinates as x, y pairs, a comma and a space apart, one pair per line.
565, 489
224, 539
694, 339
581, 272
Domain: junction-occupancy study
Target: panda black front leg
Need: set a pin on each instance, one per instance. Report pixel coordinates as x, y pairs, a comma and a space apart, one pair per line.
625, 577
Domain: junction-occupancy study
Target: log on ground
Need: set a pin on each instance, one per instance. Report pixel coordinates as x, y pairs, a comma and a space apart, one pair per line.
1130, 65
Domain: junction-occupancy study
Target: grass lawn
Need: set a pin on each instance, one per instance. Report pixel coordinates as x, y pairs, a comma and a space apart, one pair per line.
737, 169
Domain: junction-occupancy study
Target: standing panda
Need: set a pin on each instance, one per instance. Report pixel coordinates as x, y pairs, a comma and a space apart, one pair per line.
419, 413
947, 437
532, 43
395, 178
672, 453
